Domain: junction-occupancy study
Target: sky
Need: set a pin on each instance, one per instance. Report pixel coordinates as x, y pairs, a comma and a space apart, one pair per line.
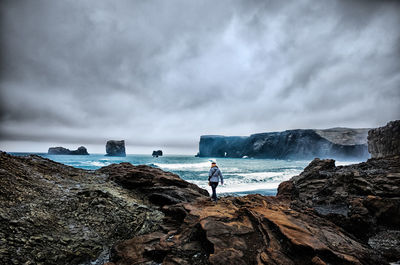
160, 74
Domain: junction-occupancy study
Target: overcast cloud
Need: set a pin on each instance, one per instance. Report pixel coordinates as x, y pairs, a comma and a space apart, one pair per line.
161, 73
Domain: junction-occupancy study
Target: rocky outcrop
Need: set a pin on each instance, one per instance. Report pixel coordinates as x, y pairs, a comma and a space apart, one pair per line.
363, 199
157, 153
385, 141
115, 148
51, 213
291, 144
64, 151
153, 184
243, 230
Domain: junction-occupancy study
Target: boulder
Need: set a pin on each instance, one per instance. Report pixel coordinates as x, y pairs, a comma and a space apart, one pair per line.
64, 151
115, 148
385, 141
153, 184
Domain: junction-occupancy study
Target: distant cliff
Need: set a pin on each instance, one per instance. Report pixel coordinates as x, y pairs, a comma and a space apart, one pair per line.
338, 143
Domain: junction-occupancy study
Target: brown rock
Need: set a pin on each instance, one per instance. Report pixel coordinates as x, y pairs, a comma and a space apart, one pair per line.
247, 230
364, 198
155, 185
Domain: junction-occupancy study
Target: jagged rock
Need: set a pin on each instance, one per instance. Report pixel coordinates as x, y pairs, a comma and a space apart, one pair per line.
385, 141
115, 148
51, 213
243, 230
363, 199
157, 153
64, 151
340, 143
153, 184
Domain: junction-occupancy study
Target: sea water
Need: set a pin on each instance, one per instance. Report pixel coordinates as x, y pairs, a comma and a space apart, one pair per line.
241, 176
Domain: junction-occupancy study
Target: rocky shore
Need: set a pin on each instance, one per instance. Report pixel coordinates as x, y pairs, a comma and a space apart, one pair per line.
124, 214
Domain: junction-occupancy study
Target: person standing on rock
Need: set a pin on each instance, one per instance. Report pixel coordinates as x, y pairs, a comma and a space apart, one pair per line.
213, 179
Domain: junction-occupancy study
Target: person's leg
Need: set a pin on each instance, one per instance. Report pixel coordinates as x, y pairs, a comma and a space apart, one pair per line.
214, 190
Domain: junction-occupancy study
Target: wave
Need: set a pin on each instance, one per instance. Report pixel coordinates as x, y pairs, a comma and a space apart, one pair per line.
346, 163
269, 176
184, 166
96, 163
247, 182
238, 187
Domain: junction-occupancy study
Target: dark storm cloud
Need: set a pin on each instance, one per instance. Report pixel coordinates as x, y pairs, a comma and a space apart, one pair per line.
165, 72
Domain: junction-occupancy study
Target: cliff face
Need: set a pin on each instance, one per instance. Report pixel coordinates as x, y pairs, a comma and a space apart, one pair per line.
291, 144
385, 141
221, 146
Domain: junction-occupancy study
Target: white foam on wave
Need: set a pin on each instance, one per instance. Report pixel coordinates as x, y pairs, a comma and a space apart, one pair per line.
270, 176
97, 163
185, 166
346, 163
239, 187
251, 181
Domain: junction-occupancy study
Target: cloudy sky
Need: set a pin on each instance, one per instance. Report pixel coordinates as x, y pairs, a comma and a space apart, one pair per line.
161, 73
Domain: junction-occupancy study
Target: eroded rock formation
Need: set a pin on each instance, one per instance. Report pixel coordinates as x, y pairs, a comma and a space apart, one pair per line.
115, 148
244, 230
51, 213
363, 199
64, 151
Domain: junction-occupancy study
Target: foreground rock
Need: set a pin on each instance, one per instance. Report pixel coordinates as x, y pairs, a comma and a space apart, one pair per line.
153, 184
363, 199
64, 151
55, 214
115, 148
385, 141
245, 230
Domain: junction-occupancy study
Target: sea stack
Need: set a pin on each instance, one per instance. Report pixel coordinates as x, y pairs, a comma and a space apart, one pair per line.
64, 151
157, 153
115, 148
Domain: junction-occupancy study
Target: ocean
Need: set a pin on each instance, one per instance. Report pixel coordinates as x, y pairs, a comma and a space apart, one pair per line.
242, 176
